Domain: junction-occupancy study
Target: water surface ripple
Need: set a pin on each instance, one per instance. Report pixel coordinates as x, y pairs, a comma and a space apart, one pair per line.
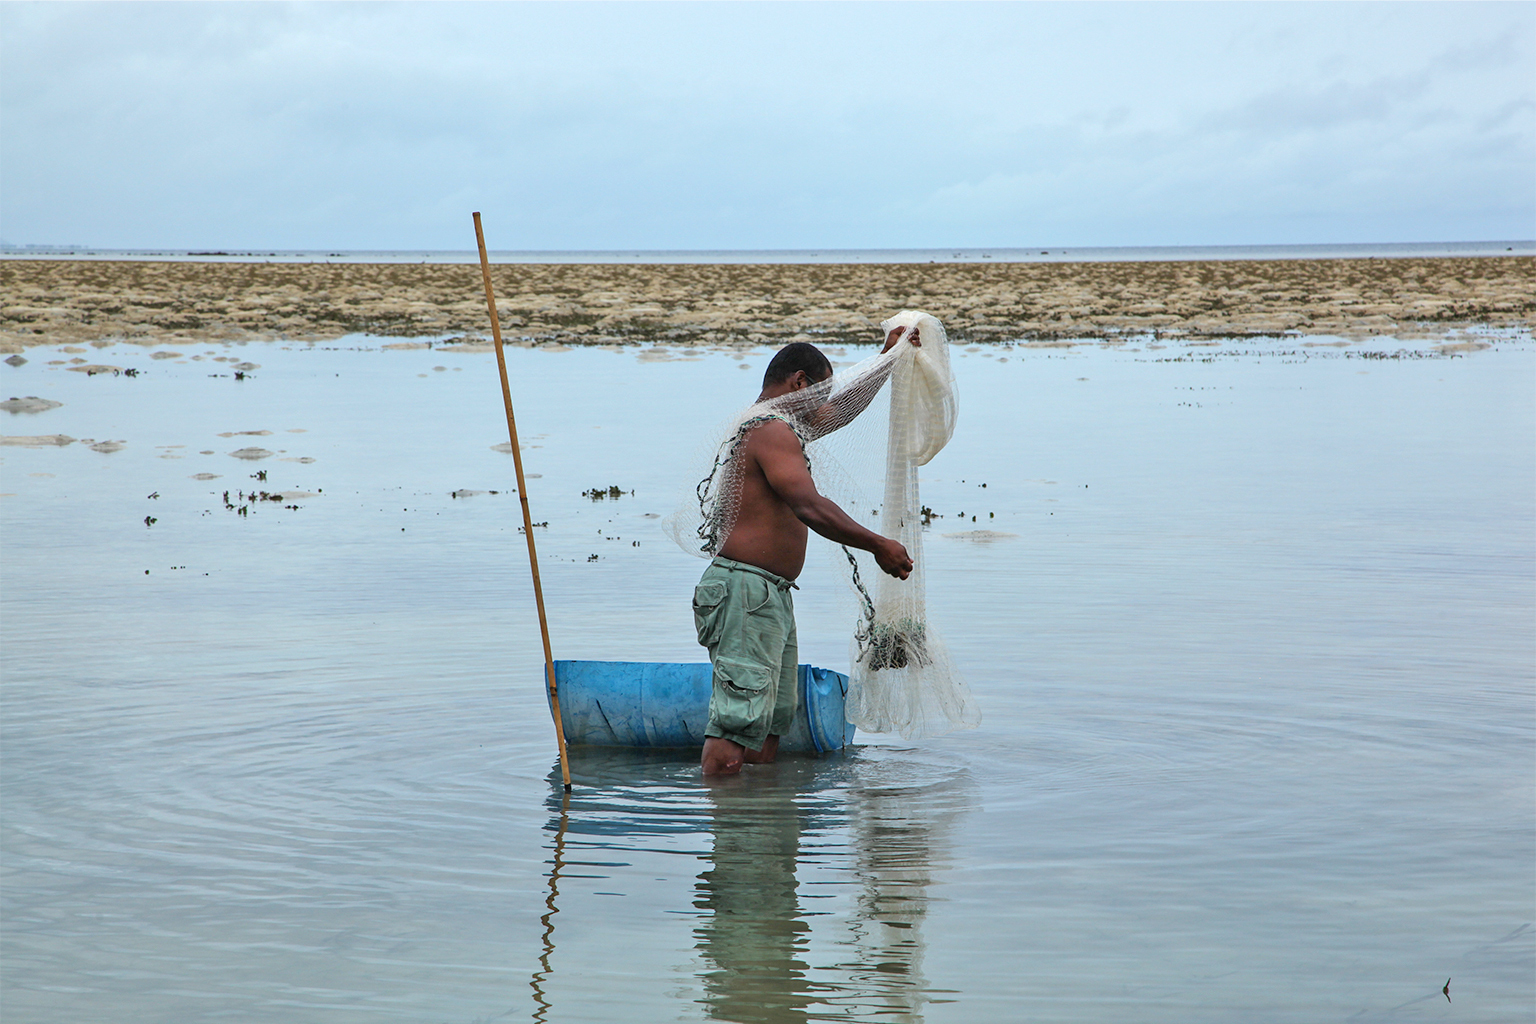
1256, 659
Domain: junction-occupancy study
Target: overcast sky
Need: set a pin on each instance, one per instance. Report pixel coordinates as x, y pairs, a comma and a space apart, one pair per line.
776, 125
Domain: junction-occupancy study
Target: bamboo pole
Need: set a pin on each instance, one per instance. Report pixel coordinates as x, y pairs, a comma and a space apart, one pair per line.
522, 496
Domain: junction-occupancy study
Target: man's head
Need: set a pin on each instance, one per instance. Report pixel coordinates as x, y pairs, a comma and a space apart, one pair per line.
797, 365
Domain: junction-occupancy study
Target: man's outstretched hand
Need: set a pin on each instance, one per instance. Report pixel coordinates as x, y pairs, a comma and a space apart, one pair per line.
892, 558
895, 335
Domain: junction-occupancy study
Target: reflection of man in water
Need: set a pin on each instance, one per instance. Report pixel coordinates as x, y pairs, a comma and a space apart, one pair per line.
873, 851
756, 934
742, 606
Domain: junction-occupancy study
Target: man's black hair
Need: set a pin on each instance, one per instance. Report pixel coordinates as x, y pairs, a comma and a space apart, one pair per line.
797, 355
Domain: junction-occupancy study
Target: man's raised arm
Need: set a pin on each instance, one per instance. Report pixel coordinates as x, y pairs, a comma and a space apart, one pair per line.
854, 397
779, 453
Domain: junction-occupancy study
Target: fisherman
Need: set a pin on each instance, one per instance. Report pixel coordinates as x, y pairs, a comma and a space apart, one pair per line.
742, 606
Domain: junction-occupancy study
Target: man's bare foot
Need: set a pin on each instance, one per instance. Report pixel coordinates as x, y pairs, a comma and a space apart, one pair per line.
722, 757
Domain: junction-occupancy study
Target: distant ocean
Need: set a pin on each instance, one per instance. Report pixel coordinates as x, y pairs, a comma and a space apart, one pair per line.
1115, 254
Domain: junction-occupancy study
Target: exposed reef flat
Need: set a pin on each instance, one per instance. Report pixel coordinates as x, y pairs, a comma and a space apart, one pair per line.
58, 301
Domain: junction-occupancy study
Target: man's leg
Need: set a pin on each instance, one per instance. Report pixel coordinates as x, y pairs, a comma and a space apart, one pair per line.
747, 653
715, 618
786, 697
723, 757
764, 756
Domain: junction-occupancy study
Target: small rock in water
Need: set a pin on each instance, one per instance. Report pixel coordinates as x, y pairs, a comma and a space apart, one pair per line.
108, 447
29, 404
251, 453
16, 361
983, 536
38, 441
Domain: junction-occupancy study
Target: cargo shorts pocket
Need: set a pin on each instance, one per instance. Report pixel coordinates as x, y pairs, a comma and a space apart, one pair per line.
742, 696
708, 598
756, 594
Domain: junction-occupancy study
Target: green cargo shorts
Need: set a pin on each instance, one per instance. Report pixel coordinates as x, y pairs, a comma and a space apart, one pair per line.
746, 618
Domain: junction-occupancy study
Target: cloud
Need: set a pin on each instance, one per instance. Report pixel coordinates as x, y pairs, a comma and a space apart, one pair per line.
776, 125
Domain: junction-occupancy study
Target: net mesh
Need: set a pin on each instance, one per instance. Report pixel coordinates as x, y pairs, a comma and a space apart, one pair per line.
902, 679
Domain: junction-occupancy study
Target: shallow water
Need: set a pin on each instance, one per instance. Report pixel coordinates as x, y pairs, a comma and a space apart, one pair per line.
1256, 669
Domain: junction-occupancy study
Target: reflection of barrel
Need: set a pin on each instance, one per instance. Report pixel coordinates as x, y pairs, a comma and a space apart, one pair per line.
665, 704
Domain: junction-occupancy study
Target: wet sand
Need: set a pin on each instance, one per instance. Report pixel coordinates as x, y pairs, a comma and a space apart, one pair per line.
45, 302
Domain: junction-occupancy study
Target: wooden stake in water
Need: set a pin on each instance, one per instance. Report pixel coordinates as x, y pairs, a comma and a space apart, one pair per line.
522, 496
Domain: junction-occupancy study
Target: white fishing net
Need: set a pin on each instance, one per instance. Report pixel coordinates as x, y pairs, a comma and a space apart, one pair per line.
902, 679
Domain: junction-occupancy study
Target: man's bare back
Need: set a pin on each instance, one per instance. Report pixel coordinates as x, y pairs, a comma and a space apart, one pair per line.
779, 505
779, 502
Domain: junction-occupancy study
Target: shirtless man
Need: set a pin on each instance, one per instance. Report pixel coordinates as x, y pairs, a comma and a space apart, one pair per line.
742, 607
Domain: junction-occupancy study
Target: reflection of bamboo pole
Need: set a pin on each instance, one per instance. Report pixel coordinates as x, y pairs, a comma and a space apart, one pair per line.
541, 976
522, 496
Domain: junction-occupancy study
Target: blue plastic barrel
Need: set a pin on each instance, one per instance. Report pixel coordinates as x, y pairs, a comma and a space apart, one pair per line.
666, 704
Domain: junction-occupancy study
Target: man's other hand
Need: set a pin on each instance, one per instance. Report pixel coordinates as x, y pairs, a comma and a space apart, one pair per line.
892, 558
895, 335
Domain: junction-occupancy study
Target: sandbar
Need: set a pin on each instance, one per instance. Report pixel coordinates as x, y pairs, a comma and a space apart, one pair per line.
53, 302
